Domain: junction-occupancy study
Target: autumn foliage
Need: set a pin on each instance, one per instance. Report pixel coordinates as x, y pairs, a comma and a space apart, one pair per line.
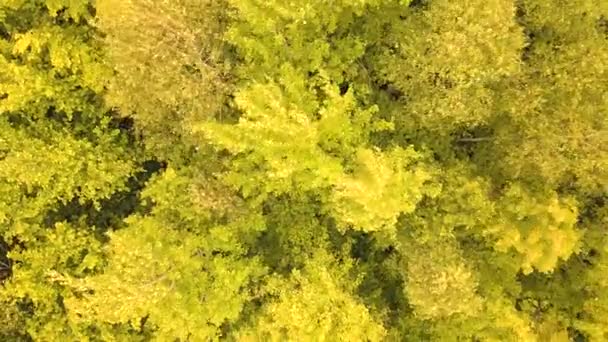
349, 170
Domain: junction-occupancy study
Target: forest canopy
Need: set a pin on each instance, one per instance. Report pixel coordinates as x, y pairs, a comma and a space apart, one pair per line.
312, 170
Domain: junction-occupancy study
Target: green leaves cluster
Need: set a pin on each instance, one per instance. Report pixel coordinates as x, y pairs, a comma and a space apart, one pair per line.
303, 170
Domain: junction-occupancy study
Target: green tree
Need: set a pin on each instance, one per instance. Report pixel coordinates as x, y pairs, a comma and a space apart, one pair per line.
313, 303
551, 126
58, 150
316, 170
169, 70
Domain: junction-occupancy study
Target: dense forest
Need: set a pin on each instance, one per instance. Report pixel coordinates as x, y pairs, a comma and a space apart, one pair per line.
311, 170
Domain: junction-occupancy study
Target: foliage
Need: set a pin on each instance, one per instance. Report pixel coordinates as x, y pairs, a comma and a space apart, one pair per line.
246, 170
167, 59
313, 304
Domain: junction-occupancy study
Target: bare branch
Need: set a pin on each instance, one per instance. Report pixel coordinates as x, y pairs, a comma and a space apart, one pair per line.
475, 139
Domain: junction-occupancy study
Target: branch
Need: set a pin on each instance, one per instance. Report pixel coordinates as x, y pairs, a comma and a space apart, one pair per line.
475, 139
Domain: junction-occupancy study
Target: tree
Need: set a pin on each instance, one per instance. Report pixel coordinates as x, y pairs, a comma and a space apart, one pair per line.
446, 59
58, 150
269, 170
551, 127
169, 70
313, 303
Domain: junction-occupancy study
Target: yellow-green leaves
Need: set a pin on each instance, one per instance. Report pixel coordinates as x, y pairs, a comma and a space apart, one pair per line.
445, 57
315, 303
44, 255
290, 150
308, 36
171, 277
76, 10
59, 159
57, 168
383, 186
439, 282
274, 170
168, 72
176, 268
541, 231
49, 66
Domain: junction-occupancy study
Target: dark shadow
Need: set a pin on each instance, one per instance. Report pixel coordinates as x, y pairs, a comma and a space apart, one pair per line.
112, 210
